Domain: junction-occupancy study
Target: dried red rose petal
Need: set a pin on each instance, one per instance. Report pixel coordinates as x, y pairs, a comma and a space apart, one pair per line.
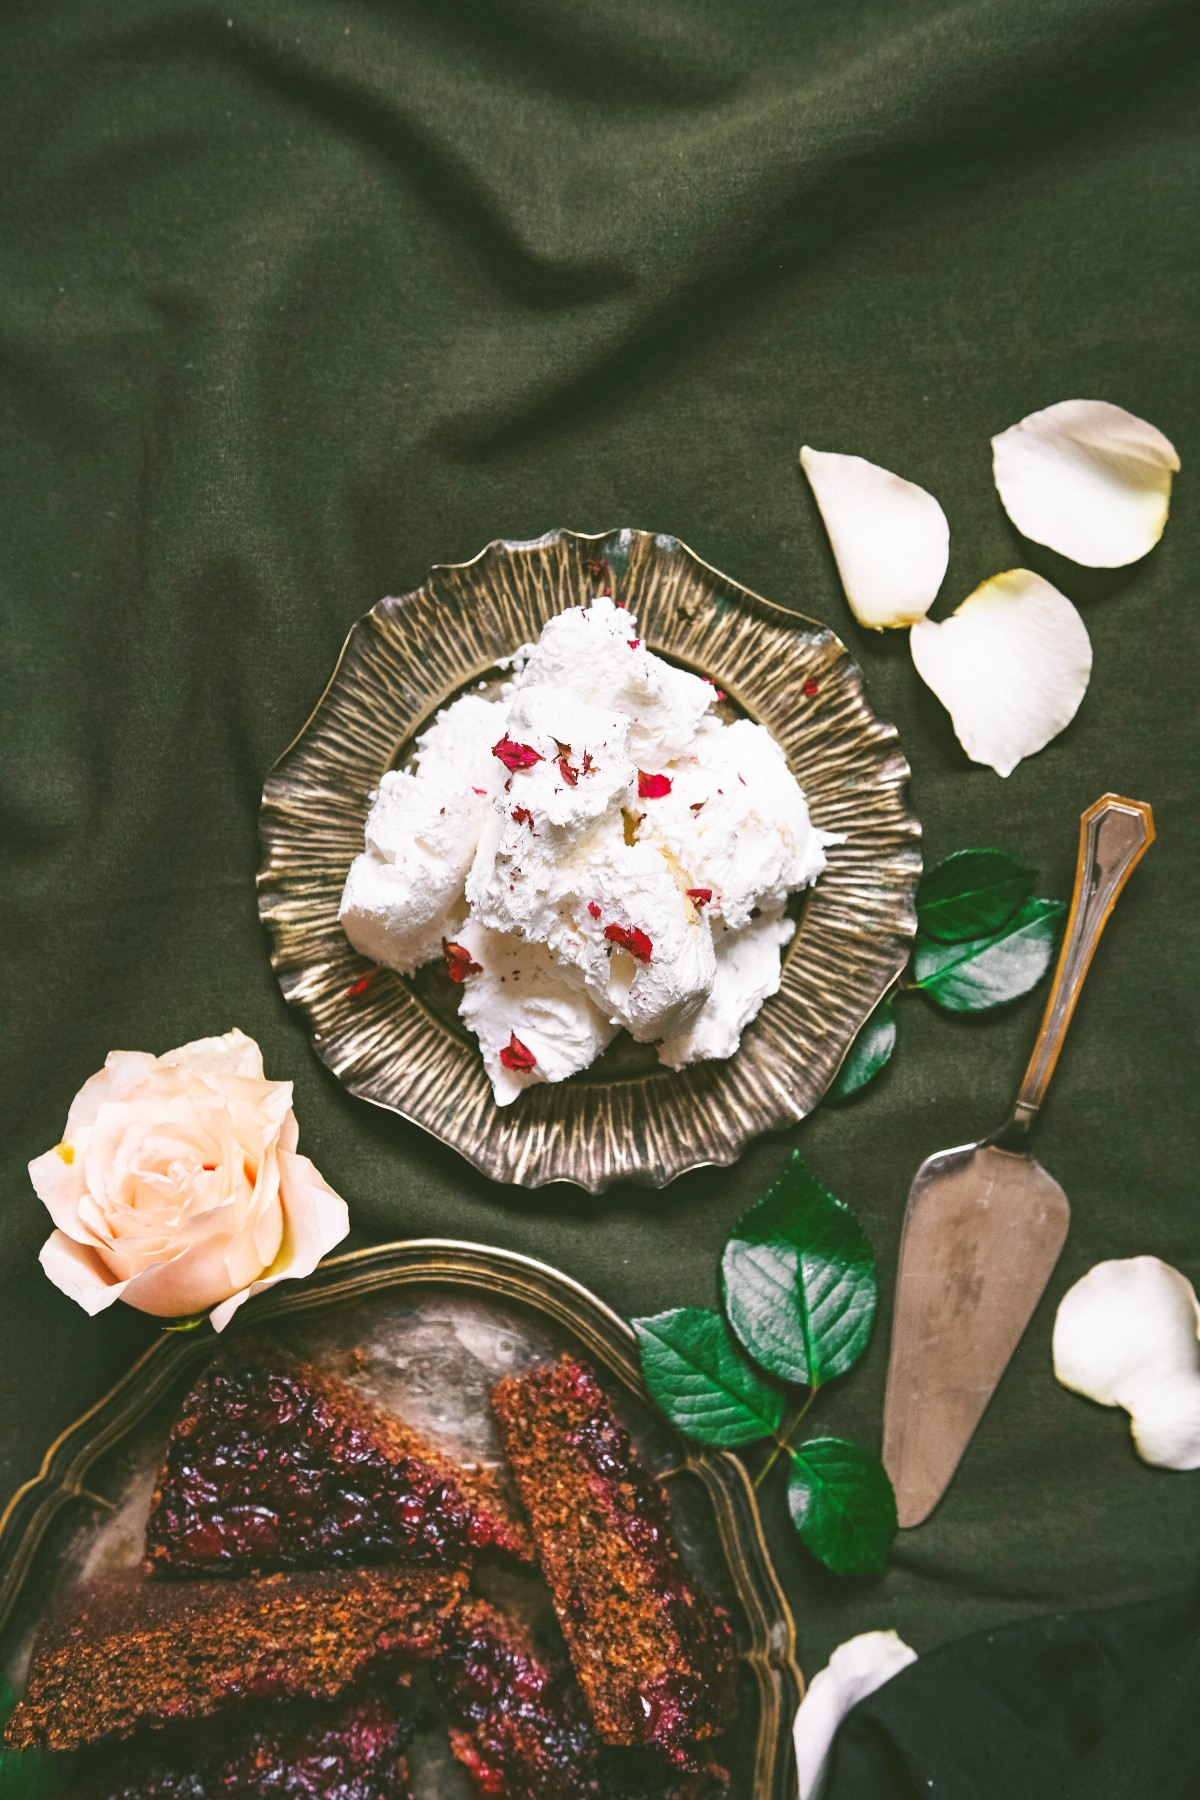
628, 937
482, 791
652, 787
458, 961
635, 643
593, 909
516, 756
718, 693
700, 896
811, 687
696, 806
587, 762
595, 566
569, 775
361, 986
517, 1056
523, 816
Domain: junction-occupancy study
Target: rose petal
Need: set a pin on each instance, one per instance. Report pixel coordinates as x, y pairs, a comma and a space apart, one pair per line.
889, 537
231, 1054
854, 1670
315, 1219
123, 1070
1010, 666
1088, 479
1128, 1334
79, 1273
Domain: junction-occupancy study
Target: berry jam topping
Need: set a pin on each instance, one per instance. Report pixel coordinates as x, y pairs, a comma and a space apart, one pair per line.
352, 1751
699, 896
628, 937
458, 961
516, 756
271, 1467
811, 688
518, 1722
652, 787
517, 1056
595, 566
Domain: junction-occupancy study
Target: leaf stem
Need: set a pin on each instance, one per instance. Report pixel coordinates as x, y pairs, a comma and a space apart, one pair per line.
783, 1440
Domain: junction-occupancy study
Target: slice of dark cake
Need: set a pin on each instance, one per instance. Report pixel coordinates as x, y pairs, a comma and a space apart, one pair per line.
124, 1655
273, 1464
654, 1656
351, 1750
518, 1722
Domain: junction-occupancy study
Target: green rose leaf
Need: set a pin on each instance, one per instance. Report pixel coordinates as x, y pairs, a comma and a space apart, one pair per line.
798, 1279
989, 971
971, 894
702, 1382
871, 1049
842, 1505
26, 1774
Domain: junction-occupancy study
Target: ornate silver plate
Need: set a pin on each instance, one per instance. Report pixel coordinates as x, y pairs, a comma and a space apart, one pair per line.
426, 1326
398, 1042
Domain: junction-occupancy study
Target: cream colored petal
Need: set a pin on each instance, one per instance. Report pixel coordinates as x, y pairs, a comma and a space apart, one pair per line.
889, 537
80, 1273
58, 1182
1010, 666
1128, 1334
1088, 479
123, 1071
855, 1670
231, 1054
315, 1219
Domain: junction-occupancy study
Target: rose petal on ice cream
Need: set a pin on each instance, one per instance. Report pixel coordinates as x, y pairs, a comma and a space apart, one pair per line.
1087, 479
856, 1669
1010, 666
1128, 1334
889, 537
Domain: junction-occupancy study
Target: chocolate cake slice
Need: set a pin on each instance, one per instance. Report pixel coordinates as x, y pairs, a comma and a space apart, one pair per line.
654, 1657
273, 1464
519, 1723
124, 1655
352, 1750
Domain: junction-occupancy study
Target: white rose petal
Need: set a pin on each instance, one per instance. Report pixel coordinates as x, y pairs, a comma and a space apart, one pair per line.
1128, 1334
854, 1670
1010, 666
889, 537
1088, 479
177, 1187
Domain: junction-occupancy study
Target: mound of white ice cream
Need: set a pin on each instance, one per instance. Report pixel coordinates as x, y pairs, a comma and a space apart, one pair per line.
594, 849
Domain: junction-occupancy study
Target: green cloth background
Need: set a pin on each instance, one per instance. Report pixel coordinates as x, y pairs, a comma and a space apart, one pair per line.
298, 299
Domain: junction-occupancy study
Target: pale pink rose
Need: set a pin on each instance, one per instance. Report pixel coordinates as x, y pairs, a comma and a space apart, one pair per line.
177, 1187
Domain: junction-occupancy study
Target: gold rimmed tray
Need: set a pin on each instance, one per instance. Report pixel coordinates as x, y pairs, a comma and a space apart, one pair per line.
427, 1326
398, 1042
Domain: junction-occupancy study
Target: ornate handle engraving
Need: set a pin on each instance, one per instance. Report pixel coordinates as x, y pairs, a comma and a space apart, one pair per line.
1114, 835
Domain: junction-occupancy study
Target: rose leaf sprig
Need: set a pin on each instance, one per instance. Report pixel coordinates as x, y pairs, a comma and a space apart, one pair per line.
983, 939
798, 1290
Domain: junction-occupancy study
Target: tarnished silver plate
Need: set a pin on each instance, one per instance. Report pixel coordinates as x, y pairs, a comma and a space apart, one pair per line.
425, 1327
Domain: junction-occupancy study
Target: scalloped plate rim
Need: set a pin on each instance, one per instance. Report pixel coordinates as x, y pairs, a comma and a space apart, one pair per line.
886, 733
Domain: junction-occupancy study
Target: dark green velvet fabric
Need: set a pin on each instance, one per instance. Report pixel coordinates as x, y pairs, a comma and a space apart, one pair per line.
297, 299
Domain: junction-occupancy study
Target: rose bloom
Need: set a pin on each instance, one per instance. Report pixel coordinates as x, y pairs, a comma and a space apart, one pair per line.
177, 1187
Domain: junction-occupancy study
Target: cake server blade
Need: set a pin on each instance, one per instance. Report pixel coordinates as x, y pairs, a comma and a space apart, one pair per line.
985, 1223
